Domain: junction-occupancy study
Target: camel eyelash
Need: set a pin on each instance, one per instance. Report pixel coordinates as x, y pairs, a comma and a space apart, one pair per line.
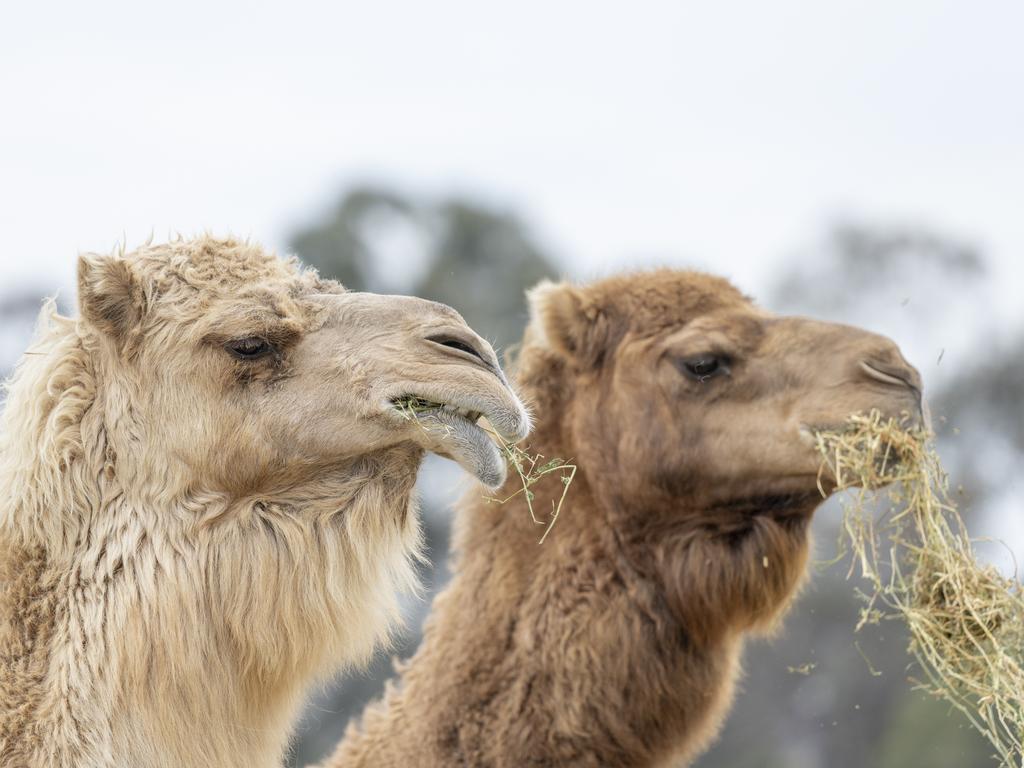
250, 348
705, 366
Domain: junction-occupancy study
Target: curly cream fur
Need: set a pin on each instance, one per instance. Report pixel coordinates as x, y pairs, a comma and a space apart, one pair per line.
175, 568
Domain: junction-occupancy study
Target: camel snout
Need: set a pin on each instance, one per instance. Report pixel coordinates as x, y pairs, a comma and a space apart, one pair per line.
887, 366
468, 346
512, 421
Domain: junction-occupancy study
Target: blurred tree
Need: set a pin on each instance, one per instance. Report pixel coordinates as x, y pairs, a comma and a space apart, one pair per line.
983, 403
482, 262
858, 264
924, 732
342, 245
476, 259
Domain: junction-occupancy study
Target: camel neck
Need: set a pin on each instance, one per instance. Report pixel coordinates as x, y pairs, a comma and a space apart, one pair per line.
186, 635
553, 654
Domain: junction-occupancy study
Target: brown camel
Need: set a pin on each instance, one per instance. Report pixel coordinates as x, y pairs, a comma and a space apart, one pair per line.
617, 642
206, 500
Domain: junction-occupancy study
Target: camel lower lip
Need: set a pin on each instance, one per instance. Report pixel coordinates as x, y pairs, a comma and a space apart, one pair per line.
453, 433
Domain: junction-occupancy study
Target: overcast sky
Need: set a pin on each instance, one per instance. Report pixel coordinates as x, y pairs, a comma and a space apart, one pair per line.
724, 135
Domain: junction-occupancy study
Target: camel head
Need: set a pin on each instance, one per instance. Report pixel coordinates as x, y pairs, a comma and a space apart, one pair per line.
691, 413
254, 376
210, 470
709, 398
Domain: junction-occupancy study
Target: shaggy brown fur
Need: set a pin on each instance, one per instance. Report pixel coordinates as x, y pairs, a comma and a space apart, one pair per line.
206, 500
616, 643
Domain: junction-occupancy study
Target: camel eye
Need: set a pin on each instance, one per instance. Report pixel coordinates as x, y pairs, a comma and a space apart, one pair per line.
704, 367
250, 348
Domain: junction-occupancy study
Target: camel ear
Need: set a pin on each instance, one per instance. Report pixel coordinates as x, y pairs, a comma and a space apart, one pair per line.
109, 295
564, 323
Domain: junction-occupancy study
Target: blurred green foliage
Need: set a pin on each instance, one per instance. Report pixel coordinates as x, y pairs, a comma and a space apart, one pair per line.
925, 732
474, 258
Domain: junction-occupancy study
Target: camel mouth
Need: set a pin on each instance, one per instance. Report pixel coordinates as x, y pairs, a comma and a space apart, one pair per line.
884, 464
454, 432
412, 404
785, 508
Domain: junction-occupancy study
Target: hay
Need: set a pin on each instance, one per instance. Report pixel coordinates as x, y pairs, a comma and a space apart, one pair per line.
965, 619
530, 468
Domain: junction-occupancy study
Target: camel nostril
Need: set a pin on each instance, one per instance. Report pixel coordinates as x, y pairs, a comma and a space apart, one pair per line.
446, 340
890, 374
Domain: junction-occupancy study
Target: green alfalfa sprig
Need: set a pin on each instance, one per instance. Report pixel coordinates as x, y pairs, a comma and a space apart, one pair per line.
530, 471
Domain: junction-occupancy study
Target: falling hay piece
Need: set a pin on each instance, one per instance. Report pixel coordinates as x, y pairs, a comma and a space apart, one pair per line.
803, 669
966, 620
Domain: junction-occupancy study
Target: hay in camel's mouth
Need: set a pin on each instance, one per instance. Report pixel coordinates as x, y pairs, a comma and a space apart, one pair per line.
966, 620
529, 468
416, 406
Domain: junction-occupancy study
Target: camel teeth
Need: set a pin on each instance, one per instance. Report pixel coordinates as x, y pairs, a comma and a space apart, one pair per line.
467, 414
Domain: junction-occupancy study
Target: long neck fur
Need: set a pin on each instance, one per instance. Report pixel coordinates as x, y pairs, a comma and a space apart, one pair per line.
146, 623
610, 644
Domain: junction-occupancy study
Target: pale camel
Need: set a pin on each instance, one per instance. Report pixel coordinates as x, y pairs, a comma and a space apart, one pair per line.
206, 499
617, 642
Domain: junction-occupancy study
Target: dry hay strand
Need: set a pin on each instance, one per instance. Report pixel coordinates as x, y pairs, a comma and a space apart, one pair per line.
531, 468
965, 619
